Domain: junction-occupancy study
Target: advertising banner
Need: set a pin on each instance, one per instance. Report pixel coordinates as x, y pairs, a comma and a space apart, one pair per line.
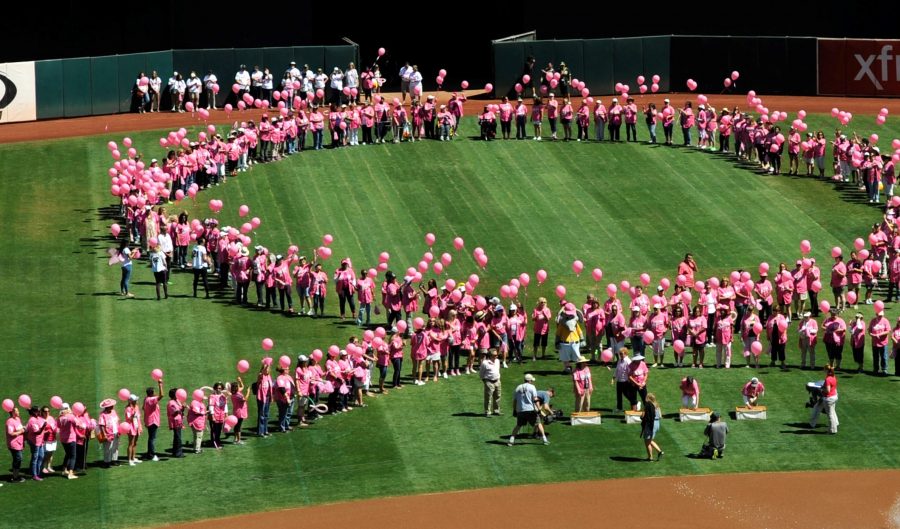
859, 67
17, 94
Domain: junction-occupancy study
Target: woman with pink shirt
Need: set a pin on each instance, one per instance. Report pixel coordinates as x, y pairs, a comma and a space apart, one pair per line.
419, 353
319, 282
303, 275
537, 116
435, 337
583, 385
51, 440
506, 115
615, 120
697, 330
196, 417
724, 335
784, 288
317, 126
395, 350
365, 289
218, 411
658, 323
638, 374
595, 324
835, 331
680, 326
265, 392
751, 326
600, 117
345, 285
565, 117
517, 324
410, 300
808, 334
686, 118
630, 112
15, 442
35, 432
650, 117
521, 113
776, 330
540, 317
668, 121
239, 397
133, 420
108, 432
690, 393
454, 341
552, 114
391, 299
583, 120
68, 437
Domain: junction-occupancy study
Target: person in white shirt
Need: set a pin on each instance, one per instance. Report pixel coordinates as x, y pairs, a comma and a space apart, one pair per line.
351, 78
141, 93
177, 87
164, 240
268, 83
256, 82
415, 83
490, 377
124, 284
158, 265
242, 78
194, 87
337, 85
155, 87
306, 81
293, 71
210, 81
200, 265
319, 82
405, 72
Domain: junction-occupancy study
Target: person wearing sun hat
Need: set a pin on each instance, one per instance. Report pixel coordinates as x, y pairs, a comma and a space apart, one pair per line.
108, 432
583, 386
569, 335
880, 331
638, 374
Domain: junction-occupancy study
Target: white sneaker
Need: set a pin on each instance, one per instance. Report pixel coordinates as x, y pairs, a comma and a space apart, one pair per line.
138, 461
155, 458
132, 463
310, 313
445, 374
505, 365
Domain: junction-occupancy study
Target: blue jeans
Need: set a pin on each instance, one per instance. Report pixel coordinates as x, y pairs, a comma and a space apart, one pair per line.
126, 279
686, 133
638, 345
317, 139
600, 126
284, 415
262, 424
879, 359
37, 459
16, 460
652, 128
151, 440
367, 308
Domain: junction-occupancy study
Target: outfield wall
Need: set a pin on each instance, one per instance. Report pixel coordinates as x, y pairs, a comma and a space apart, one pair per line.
88, 86
771, 65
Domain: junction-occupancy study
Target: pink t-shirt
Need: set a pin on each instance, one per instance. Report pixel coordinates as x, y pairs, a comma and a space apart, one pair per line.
13, 441
835, 330
174, 412
724, 328
583, 383
879, 330
197, 415
151, 411
638, 371
109, 423
541, 319
67, 432
239, 405
218, 405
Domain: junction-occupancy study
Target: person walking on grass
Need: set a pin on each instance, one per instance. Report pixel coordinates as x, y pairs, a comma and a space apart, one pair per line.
490, 377
650, 427
525, 406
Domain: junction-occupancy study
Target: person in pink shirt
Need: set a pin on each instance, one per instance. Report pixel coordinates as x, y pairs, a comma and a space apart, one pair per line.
808, 148
638, 375
784, 287
133, 420
680, 326
801, 288
239, 397
793, 141
687, 268
583, 385
595, 325
152, 418
521, 113
750, 327
218, 411
517, 324
303, 276
616, 326
835, 331
659, 324
319, 281
724, 335
752, 392
630, 111
15, 443
175, 416
808, 334
880, 331
686, 118
51, 440
395, 351
419, 354
108, 432
506, 116
690, 393
365, 289
68, 438
552, 114
540, 318
776, 330
537, 117
265, 393
600, 118
668, 120
697, 327
391, 299
565, 117
284, 391
409, 299
196, 418
615, 120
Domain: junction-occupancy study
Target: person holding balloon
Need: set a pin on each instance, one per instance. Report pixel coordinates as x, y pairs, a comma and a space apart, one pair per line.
835, 331
537, 117
196, 418
132, 428
15, 439
264, 395
751, 327
239, 397
808, 334
540, 317
776, 330
218, 412
108, 432
175, 416
68, 436
152, 414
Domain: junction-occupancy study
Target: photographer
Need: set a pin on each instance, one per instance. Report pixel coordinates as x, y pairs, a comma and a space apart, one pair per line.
827, 401
716, 432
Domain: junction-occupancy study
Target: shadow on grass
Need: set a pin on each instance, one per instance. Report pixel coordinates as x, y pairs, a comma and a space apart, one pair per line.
628, 459
802, 428
468, 414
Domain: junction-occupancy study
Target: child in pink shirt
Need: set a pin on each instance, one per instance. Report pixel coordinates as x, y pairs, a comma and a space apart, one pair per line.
239, 397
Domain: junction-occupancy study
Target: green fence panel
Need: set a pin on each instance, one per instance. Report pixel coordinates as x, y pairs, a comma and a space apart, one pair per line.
598, 66
161, 61
186, 61
128, 68
49, 89
248, 56
656, 59
339, 56
105, 85
509, 66
628, 62
76, 87
221, 62
314, 56
278, 61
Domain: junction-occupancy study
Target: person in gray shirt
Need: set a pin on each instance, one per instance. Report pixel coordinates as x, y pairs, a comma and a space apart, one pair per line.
525, 406
716, 432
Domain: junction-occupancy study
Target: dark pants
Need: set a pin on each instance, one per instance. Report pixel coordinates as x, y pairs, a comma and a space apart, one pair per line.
858, 355
614, 131
81, 455
835, 352
765, 313
285, 292
217, 433
393, 317
520, 127
241, 293
630, 132
505, 127
777, 352
271, 296
16, 460
367, 135
344, 299
880, 359
262, 424
260, 292
37, 459
741, 310
621, 391
151, 440
453, 361
198, 274
381, 129
814, 303
69, 460
284, 415
177, 445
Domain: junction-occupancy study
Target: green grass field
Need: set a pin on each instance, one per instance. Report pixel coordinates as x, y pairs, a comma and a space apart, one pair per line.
627, 209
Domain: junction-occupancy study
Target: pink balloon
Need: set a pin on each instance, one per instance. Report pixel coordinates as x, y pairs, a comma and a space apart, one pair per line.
488, 87
446, 259
625, 285
438, 268
541, 276
648, 337
526, 79
678, 345
24, 401
268, 344
458, 243
756, 347
577, 267
816, 286
383, 257
231, 420
401, 326
115, 229
181, 395
824, 306
879, 306
805, 247
8, 405
686, 297
524, 279
381, 52
482, 260
243, 210
691, 84
611, 290
665, 283
327, 239
474, 279
873, 138
124, 393
284, 361
429, 239
156, 374
606, 355
243, 366
198, 394
654, 88
859, 244
597, 274
423, 266
418, 323
464, 84
699, 286
645, 279
504, 291
56, 402
585, 92
851, 297
124, 427
560, 291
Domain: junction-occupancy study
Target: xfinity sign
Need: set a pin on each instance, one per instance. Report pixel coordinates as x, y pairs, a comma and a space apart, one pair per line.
859, 67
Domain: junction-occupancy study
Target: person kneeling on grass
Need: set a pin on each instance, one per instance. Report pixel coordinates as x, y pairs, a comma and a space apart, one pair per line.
525, 406
752, 391
716, 432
